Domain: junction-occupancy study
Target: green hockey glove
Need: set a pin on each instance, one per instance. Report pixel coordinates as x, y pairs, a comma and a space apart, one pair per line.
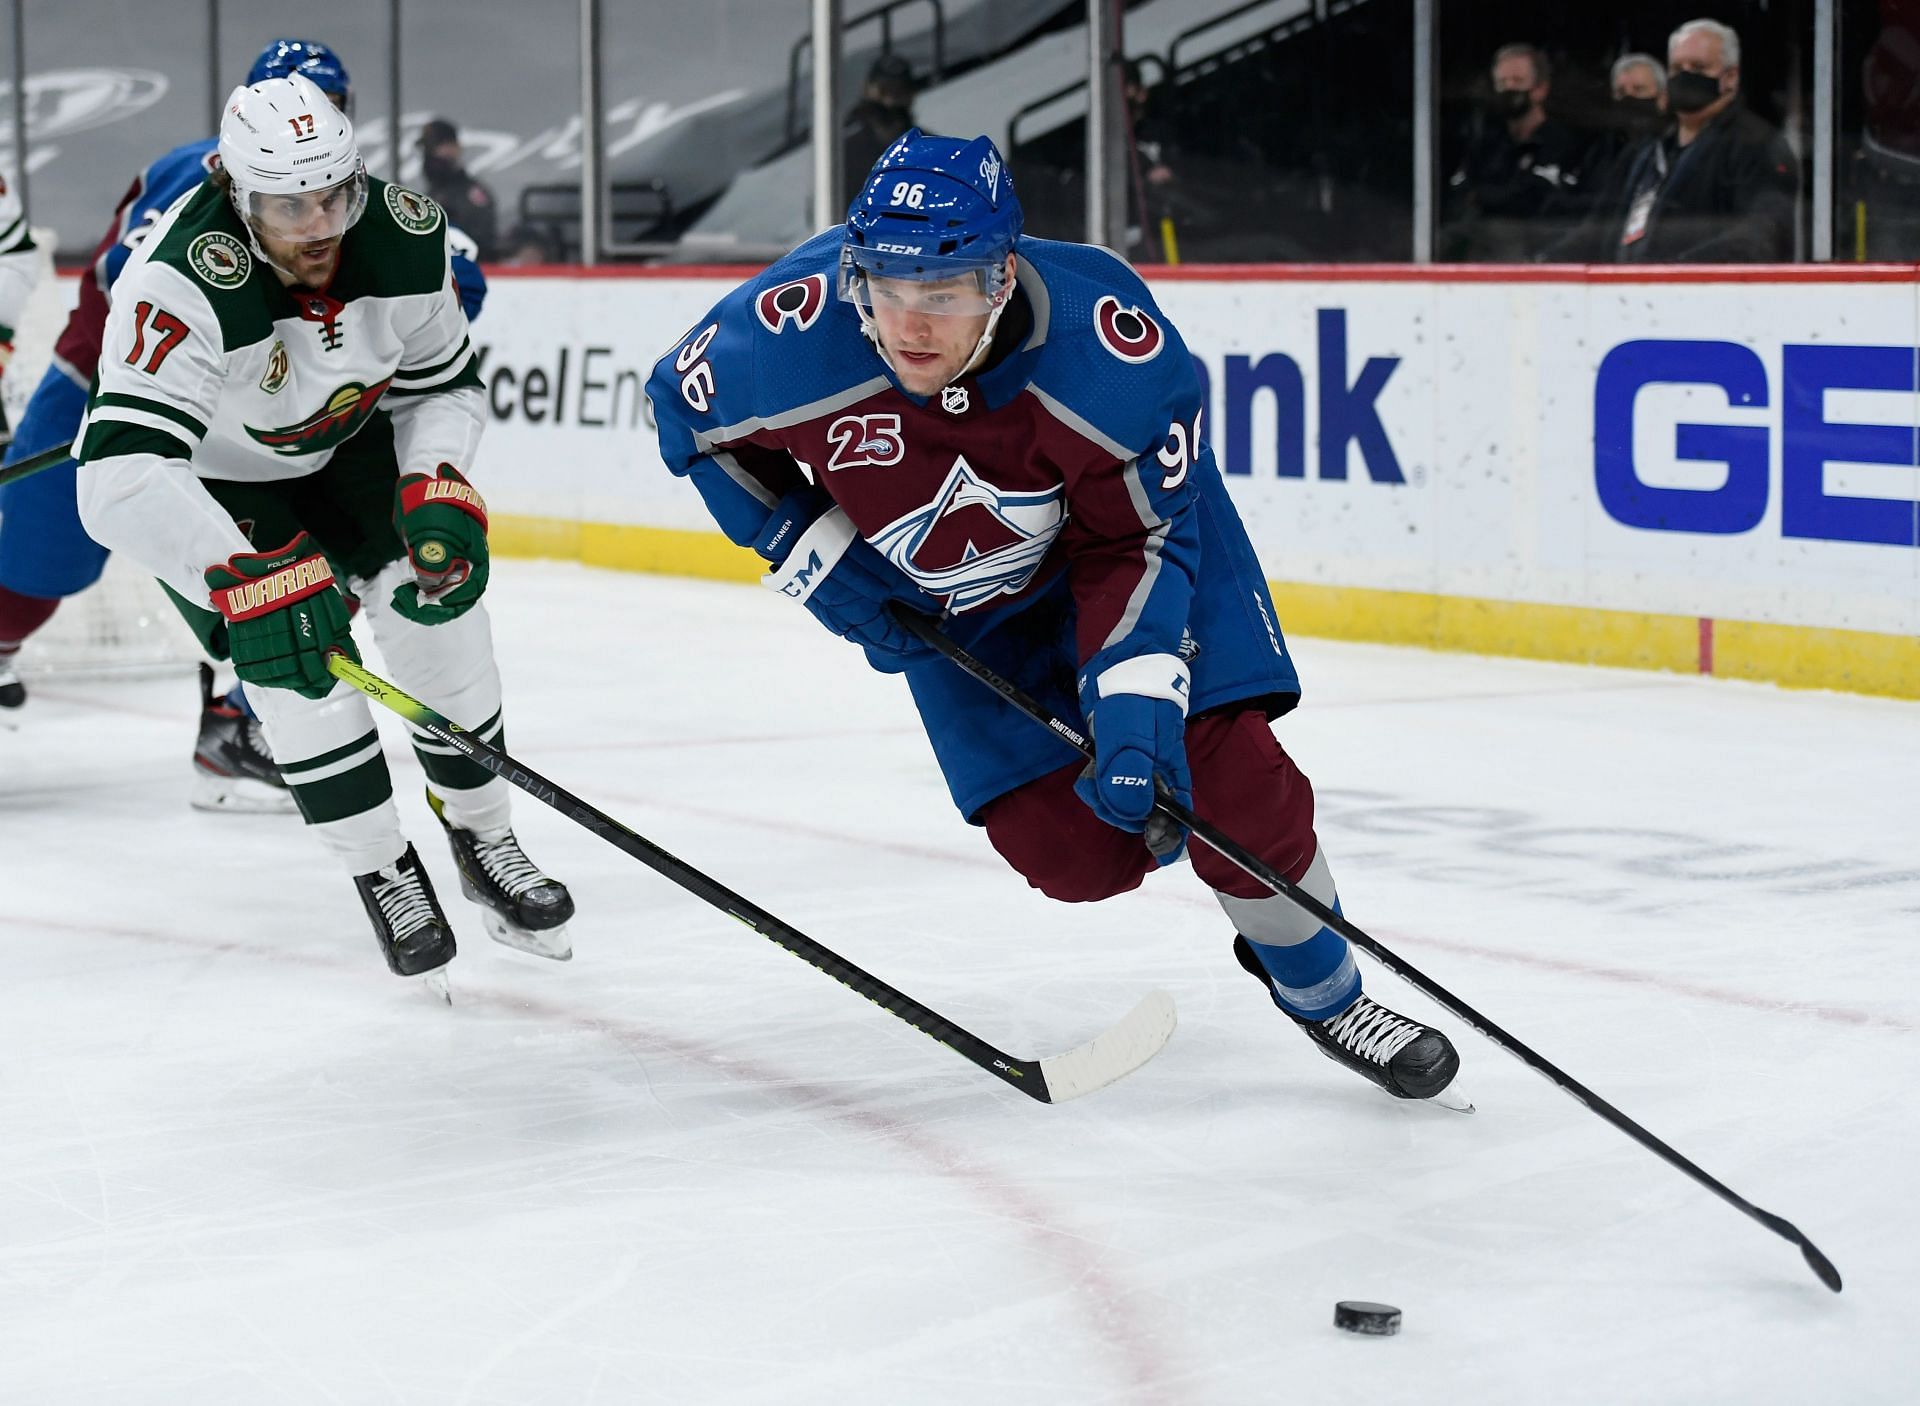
443, 522
283, 616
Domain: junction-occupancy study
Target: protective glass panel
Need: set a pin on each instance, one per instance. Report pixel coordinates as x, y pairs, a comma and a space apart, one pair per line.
1877, 96
1568, 133
1270, 132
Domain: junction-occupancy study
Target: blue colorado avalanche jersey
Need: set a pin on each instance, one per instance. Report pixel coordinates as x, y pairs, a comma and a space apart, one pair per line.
1072, 471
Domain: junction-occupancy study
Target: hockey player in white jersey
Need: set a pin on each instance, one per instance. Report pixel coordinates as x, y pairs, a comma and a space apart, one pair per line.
19, 270
286, 405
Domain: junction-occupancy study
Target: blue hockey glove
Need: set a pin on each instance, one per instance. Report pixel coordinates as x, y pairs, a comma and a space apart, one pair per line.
820, 561
1137, 709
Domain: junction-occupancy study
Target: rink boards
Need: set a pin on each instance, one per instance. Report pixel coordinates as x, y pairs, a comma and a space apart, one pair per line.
1712, 470
1707, 470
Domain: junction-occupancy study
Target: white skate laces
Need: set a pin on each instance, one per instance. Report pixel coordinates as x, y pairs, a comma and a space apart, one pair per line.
1372, 1032
254, 738
508, 866
403, 901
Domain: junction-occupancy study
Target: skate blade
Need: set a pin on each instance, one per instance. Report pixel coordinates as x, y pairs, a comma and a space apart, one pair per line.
1451, 1099
551, 943
238, 796
435, 984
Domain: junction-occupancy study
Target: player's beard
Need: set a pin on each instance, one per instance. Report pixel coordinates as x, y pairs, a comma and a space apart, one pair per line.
314, 264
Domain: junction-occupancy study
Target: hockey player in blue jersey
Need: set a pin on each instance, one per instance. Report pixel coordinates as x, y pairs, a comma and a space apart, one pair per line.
927, 407
45, 554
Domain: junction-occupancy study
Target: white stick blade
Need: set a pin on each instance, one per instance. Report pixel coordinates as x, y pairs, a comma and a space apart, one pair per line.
1114, 1053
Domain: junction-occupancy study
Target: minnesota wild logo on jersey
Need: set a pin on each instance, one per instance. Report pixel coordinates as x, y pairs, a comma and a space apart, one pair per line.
333, 423
220, 259
412, 211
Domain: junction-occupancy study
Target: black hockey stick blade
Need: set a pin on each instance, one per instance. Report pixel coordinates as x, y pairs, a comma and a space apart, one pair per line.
927, 630
1110, 1055
45, 459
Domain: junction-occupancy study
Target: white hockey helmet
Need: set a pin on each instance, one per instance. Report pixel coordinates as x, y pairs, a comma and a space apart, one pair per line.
293, 161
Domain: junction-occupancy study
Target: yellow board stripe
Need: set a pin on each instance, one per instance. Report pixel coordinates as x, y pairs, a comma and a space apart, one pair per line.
1796, 656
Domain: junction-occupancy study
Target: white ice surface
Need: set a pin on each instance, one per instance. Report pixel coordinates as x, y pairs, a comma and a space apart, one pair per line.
240, 1163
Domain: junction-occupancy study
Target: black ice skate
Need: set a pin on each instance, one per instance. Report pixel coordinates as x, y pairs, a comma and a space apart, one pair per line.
13, 693
520, 906
232, 768
413, 932
1407, 1059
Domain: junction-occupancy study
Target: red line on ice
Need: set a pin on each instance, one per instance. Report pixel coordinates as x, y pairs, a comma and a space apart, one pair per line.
1106, 1305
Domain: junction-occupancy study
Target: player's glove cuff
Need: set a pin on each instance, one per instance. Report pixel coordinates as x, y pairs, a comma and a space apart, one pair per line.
790, 518
1162, 676
810, 558
248, 585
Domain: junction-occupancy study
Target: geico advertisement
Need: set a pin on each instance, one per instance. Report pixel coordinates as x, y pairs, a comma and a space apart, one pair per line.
1737, 450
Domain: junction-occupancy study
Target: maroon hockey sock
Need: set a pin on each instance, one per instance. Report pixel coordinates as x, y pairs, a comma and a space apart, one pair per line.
20, 616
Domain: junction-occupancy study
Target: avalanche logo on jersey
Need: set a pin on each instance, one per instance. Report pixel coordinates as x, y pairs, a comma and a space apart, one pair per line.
974, 541
1126, 332
797, 304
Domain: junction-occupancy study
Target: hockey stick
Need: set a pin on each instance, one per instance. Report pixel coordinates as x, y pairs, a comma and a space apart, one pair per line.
1113, 1054
45, 459
925, 629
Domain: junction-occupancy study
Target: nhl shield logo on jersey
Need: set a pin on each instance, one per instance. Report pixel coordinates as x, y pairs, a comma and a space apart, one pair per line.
220, 259
1127, 332
795, 304
974, 541
278, 369
955, 400
333, 423
412, 211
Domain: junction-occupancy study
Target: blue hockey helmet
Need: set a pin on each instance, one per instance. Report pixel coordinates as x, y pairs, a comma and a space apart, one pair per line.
282, 58
933, 208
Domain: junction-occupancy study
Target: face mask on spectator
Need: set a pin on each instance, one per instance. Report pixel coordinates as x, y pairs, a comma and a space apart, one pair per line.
1690, 92
1640, 117
1511, 102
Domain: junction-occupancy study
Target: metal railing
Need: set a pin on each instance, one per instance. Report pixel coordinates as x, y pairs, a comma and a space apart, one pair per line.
632, 211
884, 15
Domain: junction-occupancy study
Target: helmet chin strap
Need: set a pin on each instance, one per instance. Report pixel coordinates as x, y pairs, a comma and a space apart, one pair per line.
980, 348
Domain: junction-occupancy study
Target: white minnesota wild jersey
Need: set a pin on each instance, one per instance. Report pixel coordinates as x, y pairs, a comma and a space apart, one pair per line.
211, 367
19, 265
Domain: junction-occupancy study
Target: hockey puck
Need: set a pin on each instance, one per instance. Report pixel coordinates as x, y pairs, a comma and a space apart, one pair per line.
1375, 1320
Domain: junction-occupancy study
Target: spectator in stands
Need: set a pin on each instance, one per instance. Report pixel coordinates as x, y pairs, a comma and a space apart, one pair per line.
1153, 190
528, 244
468, 203
884, 113
1637, 115
1518, 162
1717, 186
1152, 137
1639, 83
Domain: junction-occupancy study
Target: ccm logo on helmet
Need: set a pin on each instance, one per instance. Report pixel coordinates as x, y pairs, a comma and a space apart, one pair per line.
1127, 332
797, 304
